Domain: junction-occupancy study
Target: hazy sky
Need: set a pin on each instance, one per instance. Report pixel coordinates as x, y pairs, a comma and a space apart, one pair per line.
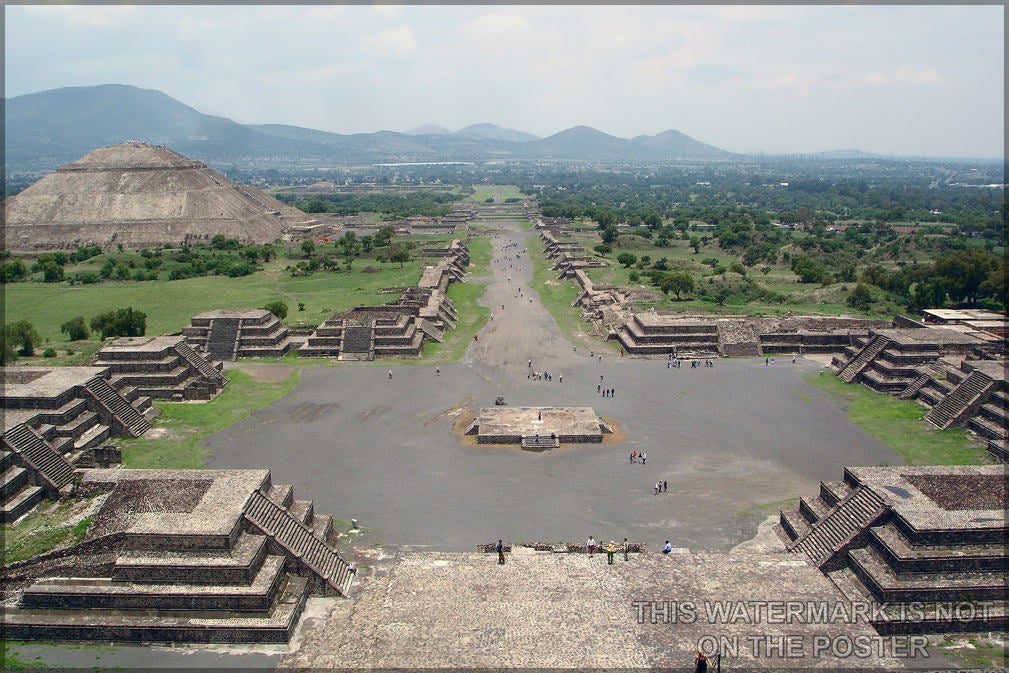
901, 80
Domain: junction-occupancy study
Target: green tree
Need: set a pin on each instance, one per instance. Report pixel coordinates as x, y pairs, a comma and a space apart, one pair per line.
307, 247
603, 249
277, 308
965, 271
120, 322
676, 283
695, 243
399, 253
860, 298
76, 328
609, 234
627, 259
23, 336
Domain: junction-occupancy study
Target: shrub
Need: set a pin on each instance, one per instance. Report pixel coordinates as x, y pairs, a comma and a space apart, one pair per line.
49, 352
277, 308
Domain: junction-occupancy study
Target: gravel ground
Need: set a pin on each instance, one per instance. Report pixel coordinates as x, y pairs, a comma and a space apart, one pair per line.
729, 439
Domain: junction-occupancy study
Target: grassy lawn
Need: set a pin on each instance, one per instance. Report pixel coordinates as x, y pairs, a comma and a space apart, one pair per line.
169, 305
483, 192
901, 425
472, 318
185, 423
556, 295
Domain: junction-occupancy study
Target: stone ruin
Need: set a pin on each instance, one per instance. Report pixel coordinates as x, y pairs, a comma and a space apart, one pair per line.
163, 367
950, 371
201, 556
140, 195
56, 420
225, 334
538, 428
921, 539
609, 310
400, 328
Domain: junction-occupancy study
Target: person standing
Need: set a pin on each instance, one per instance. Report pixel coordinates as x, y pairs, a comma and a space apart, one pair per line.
643, 457
500, 552
591, 544
390, 374
627, 549
700, 663
665, 486
611, 549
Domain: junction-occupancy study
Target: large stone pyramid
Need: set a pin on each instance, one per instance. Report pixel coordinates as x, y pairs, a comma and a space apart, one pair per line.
140, 195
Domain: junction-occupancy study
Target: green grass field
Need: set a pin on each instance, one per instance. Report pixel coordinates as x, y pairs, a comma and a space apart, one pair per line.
185, 423
901, 425
483, 192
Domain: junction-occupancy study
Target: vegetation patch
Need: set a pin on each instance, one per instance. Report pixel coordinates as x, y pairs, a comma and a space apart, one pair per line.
901, 425
184, 424
45, 529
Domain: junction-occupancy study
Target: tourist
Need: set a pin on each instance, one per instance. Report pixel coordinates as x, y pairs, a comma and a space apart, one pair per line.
529, 364
665, 486
656, 487
643, 456
437, 371
611, 549
598, 388
560, 379
591, 544
793, 359
634, 456
612, 391
766, 361
667, 548
500, 552
700, 663
627, 549
390, 374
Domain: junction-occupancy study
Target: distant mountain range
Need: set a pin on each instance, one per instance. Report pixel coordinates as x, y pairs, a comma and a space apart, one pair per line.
48, 129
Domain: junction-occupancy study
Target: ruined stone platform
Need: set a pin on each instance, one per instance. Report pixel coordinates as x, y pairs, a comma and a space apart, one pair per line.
510, 425
542, 610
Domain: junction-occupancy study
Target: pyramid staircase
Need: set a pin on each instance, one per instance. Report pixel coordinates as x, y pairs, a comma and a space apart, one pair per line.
51, 467
357, 343
855, 367
222, 339
119, 409
835, 531
199, 363
300, 540
960, 400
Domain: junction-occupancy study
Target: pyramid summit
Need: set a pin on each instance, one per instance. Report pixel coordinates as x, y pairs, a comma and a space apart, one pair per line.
140, 194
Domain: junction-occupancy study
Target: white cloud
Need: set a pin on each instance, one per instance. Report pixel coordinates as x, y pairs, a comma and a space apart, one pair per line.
399, 41
917, 76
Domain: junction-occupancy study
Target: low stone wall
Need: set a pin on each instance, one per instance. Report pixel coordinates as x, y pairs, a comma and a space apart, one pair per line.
562, 547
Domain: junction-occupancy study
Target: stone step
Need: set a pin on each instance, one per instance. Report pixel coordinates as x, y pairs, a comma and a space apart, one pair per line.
275, 626
890, 545
237, 565
793, 523
14, 479
119, 408
21, 503
886, 585
57, 593
302, 511
281, 494
39, 456
95, 435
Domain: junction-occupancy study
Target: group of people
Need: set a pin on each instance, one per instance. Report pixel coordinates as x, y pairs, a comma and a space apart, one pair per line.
694, 364
610, 549
543, 376
606, 392
635, 456
661, 487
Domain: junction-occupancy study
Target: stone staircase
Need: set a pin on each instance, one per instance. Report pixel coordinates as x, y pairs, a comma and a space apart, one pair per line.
928, 373
50, 466
356, 343
862, 360
19, 494
299, 540
835, 531
960, 400
222, 339
199, 363
540, 442
117, 406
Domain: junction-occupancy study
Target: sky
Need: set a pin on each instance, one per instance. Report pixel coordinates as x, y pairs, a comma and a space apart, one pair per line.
893, 80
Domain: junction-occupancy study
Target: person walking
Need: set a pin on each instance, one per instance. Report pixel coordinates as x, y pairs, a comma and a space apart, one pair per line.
643, 456
627, 549
665, 486
437, 371
500, 552
390, 374
591, 544
700, 663
611, 549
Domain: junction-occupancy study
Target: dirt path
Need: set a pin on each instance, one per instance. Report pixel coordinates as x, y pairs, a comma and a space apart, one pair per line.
521, 329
